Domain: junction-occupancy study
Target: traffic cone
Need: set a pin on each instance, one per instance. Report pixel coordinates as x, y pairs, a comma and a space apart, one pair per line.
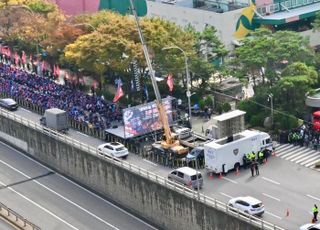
237, 171
274, 153
211, 176
287, 213
265, 161
220, 176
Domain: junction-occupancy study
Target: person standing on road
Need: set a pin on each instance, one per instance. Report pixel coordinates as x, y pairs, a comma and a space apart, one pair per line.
315, 213
252, 169
256, 167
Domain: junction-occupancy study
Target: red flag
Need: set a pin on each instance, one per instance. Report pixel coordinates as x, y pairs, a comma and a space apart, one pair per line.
57, 71
16, 58
8, 52
24, 57
170, 82
118, 95
43, 66
30, 58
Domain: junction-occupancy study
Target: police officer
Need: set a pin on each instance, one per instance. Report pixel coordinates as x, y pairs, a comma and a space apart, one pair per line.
252, 156
315, 213
260, 157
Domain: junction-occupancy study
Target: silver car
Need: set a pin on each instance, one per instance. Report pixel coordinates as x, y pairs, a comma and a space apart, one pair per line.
187, 176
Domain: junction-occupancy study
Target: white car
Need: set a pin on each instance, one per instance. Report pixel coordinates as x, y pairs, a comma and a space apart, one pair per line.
182, 132
310, 227
113, 149
248, 205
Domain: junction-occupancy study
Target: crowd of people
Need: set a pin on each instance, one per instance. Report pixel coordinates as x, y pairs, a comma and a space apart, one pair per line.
93, 110
305, 136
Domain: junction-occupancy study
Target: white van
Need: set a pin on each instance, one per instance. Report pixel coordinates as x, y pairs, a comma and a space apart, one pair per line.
186, 176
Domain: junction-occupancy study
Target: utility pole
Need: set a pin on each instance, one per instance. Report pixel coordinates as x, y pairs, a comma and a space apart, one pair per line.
270, 97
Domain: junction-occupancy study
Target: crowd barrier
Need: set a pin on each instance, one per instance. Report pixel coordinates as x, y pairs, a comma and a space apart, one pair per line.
186, 191
16, 219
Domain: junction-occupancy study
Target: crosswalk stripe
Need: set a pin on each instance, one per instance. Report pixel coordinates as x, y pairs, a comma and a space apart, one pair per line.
298, 154
289, 153
282, 149
302, 155
313, 162
279, 147
310, 159
306, 158
288, 150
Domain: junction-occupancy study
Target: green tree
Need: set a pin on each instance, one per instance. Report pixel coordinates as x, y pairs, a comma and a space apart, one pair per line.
316, 23
253, 55
264, 53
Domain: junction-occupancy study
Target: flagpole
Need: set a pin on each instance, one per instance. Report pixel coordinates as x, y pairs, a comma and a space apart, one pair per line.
188, 93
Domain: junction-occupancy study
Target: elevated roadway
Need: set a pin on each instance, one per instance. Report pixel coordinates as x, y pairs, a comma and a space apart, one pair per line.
52, 201
288, 190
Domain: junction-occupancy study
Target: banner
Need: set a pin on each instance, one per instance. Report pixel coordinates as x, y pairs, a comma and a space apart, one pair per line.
143, 119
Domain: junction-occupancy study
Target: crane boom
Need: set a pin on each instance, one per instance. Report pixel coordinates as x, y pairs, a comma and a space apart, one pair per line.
162, 112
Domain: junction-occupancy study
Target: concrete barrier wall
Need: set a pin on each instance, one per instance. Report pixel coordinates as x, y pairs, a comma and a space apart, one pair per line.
167, 208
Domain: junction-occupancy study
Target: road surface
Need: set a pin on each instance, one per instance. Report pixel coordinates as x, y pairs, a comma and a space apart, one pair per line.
52, 201
287, 188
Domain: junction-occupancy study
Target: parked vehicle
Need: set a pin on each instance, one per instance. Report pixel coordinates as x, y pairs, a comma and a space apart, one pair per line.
187, 176
227, 153
8, 104
247, 204
113, 149
182, 132
55, 119
310, 227
197, 152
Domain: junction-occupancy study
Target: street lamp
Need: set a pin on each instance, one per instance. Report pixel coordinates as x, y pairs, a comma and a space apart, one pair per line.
187, 75
270, 98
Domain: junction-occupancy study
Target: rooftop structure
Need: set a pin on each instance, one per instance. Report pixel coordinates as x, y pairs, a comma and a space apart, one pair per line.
233, 19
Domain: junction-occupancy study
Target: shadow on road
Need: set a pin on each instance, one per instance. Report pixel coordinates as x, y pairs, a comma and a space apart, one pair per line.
31, 179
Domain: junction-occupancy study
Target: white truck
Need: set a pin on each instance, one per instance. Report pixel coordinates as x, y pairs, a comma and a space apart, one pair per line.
227, 153
55, 118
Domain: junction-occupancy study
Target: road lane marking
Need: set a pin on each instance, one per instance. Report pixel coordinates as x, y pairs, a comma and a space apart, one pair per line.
272, 181
25, 110
82, 188
233, 181
272, 197
274, 215
39, 206
59, 195
226, 195
150, 162
82, 134
313, 197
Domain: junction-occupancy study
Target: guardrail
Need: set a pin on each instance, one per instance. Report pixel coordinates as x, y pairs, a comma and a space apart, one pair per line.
144, 173
16, 218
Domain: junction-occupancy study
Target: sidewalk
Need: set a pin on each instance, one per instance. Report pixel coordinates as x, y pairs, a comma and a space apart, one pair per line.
200, 124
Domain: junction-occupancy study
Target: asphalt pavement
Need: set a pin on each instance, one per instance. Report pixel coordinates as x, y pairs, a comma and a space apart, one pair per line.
287, 189
52, 201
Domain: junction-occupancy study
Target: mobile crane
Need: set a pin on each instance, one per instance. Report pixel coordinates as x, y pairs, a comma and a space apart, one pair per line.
170, 141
